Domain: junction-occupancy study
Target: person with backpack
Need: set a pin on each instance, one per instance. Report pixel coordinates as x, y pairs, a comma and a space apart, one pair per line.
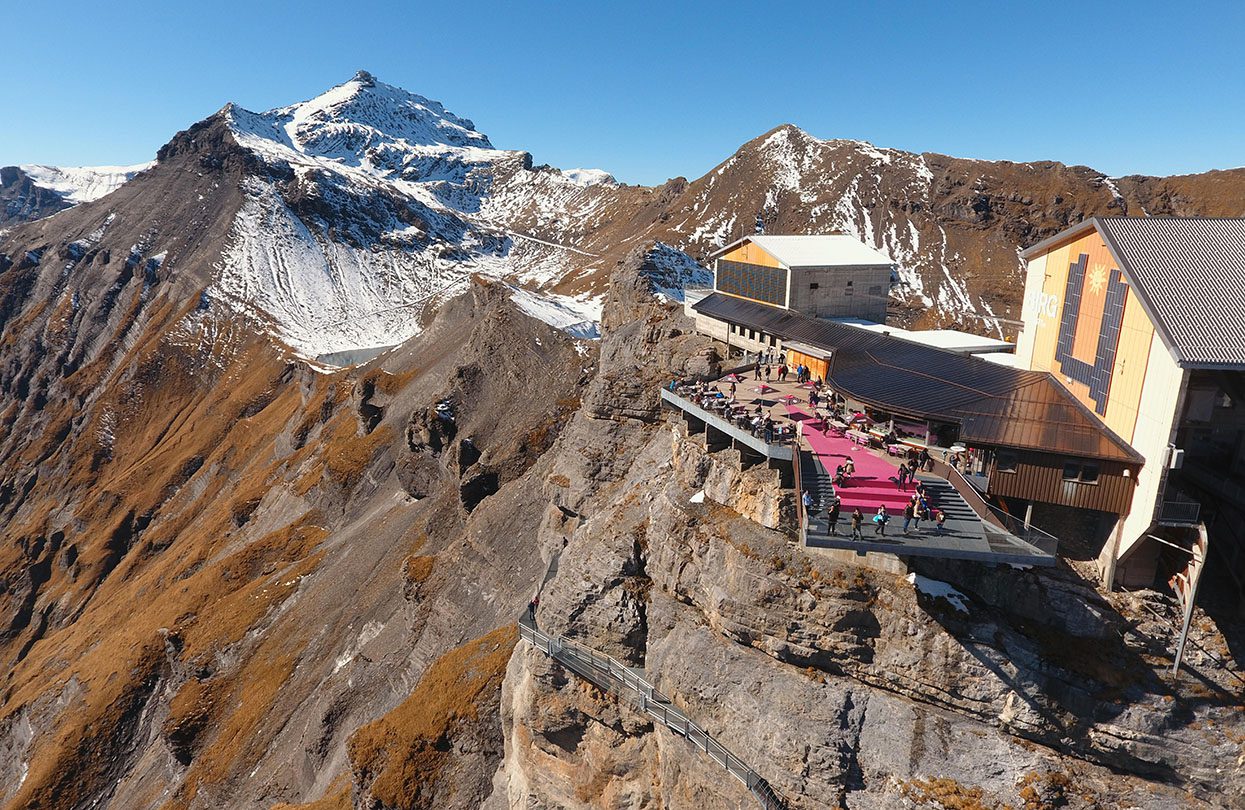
880, 520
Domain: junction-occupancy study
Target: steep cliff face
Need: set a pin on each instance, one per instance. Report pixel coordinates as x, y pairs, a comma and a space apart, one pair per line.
843, 686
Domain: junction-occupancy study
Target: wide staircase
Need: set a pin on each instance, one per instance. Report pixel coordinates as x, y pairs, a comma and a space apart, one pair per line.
941, 495
816, 481
629, 684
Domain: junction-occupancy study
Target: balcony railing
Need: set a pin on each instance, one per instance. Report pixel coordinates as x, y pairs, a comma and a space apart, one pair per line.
1179, 511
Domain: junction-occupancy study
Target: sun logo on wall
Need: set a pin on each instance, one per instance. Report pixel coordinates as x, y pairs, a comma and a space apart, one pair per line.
1097, 278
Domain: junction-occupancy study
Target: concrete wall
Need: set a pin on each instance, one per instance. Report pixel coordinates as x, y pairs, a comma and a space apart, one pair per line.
1035, 279
870, 288
1156, 427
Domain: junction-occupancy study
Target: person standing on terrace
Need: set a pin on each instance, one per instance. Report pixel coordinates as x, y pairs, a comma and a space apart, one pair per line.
880, 520
857, 521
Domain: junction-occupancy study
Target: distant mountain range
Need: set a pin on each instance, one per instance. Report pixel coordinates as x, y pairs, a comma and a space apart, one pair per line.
367, 202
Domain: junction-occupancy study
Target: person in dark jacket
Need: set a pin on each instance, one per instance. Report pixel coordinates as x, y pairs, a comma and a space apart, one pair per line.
832, 517
908, 512
858, 520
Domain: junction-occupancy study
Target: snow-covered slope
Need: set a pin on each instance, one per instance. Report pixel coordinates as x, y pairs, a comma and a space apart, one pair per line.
377, 202
79, 184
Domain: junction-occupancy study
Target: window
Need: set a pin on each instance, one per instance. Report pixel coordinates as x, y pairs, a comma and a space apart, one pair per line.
848, 290
876, 290
814, 286
1005, 462
1081, 472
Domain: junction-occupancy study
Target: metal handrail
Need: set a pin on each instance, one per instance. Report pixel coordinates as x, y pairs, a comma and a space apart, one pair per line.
618, 679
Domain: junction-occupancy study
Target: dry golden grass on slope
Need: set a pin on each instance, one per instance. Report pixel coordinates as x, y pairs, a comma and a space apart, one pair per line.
398, 756
204, 596
336, 797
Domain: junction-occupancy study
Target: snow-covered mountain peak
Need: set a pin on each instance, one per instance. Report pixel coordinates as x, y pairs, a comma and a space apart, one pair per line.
361, 122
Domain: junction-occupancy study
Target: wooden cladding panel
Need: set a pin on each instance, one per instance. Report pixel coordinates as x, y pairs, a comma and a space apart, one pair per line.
1040, 478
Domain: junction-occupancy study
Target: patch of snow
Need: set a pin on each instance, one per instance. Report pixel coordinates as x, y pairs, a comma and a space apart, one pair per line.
589, 177
699, 497
579, 316
79, 184
671, 271
937, 589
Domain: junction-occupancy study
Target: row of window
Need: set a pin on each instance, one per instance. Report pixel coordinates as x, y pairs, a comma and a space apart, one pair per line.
874, 290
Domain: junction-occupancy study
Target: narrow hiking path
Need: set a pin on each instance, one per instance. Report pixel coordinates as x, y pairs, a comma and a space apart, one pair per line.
630, 685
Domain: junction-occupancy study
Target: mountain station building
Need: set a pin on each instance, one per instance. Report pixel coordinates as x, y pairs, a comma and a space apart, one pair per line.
1120, 420
1142, 319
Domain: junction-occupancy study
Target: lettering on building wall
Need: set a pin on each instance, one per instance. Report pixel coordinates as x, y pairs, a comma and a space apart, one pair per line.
1045, 305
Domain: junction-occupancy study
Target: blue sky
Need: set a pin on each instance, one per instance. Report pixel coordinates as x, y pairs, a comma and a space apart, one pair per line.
652, 90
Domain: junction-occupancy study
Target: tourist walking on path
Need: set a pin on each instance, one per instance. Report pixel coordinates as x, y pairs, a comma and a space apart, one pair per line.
857, 521
939, 519
901, 480
767, 372
880, 520
833, 517
908, 512
927, 461
532, 605
757, 370
782, 373
919, 513
849, 468
807, 500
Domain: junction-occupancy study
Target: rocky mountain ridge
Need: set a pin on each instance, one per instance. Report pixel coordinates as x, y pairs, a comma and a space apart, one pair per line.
368, 204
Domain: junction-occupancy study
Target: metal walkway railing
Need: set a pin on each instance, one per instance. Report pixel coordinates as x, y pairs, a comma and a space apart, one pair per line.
615, 677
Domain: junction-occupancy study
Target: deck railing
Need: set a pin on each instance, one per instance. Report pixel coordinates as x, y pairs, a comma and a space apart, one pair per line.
992, 516
613, 676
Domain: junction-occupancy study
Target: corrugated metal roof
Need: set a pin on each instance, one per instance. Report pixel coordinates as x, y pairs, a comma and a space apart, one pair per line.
1191, 274
994, 404
822, 250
